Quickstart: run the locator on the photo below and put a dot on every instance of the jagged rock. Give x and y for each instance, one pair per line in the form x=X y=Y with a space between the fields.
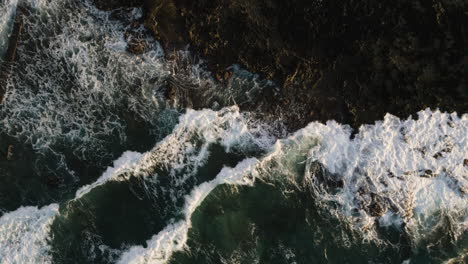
x=136 y=46
x=170 y=92
x=378 y=206
x=344 y=60
x=427 y=174
x=323 y=177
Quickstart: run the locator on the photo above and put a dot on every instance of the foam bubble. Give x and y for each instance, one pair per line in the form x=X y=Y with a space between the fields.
x=7 y=14
x=173 y=238
x=187 y=147
x=401 y=170
x=24 y=233
x=75 y=84
x=362 y=164
x=125 y=163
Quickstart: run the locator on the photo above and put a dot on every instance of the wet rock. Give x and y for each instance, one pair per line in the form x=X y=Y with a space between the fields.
x=426 y=174
x=136 y=46
x=171 y=91
x=328 y=180
x=9 y=155
x=166 y=21
x=344 y=60
x=223 y=76
x=52 y=181
x=377 y=207
x=115 y=4
x=227 y=75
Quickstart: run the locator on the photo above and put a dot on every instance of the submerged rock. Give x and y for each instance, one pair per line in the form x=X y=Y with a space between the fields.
x=9 y=155
x=349 y=61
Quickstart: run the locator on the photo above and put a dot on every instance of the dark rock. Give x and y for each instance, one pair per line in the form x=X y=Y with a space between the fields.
x=166 y=22
x=115 y=4
x=137 y=46
x=352 y=61
x=377 y=207
x=9 y=155
x=427 y=174
x=170 y=92
x=323 y=177
x=52 y=181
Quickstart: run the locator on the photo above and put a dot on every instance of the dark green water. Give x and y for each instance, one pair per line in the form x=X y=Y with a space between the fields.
x=97 y=167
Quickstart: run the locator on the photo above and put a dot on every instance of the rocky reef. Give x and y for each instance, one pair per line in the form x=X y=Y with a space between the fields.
x=352 y=61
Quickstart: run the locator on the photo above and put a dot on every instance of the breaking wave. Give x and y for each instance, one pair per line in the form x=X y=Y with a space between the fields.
x=77 y=99
x=392 y=173
x=409 y=174
x=24 y=233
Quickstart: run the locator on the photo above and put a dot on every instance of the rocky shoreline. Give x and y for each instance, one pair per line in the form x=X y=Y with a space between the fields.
x=349 y=61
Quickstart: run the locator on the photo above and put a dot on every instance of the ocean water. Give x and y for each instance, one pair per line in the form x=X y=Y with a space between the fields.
x=97 y=166
x=7 y=14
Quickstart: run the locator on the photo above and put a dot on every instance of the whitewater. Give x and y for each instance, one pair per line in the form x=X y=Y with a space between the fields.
x=369 y=161
x=208 y=185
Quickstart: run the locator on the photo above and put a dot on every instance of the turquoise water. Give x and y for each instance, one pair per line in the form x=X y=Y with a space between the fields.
x=96 y=166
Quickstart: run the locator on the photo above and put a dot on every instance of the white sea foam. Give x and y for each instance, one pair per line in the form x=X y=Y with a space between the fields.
x=24 y=233
x=187 y=147
x=76 y=75
x=174 y=237
x=227 y=127
x=362 y=163
x=7 y=14
x=417 y=168
x=77 y=85
x=75 y=80
x=126 y=163
x=184 y=149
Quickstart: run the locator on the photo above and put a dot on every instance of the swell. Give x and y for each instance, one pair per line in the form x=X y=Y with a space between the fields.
x=78 y=98
x=355 y=171
x=153 y=185
x=355 y=187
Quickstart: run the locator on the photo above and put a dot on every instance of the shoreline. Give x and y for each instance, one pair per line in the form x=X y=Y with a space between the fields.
x=352 y=63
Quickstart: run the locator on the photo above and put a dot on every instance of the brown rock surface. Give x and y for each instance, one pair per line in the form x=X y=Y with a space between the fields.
x=352 y=61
